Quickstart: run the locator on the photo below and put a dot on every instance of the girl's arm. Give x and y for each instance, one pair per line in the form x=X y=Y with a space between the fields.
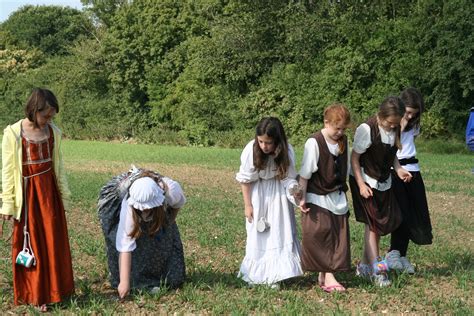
x=303 y=185
x=61 y=176
x=364 y=189
x=402 y=173
x=125 y=266
x=8 y=179
x=246 y=193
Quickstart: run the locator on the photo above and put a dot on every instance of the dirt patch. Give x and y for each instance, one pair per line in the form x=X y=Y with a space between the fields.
x=187 y=175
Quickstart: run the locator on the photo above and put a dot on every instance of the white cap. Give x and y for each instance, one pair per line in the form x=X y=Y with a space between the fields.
x=145 y=194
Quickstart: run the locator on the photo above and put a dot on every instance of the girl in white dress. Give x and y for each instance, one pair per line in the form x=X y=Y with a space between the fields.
x=267 y=175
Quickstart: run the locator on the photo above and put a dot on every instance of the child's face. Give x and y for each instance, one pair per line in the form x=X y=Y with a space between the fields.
x=266 y=144
x=390 y=123
x=45 y=115
x=410 y=113
x=334 y=130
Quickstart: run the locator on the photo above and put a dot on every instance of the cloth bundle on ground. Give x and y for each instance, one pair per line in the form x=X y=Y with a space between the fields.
x=157 y=260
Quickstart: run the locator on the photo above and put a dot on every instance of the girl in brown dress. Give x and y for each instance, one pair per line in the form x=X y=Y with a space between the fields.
x=324 y=206
x=35 y=194
x=373 y=155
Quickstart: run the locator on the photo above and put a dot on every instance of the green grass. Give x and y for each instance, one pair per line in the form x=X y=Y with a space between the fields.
x=213 y=233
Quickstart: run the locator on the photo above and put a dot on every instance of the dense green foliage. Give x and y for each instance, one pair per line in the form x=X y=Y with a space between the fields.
x=204 y=72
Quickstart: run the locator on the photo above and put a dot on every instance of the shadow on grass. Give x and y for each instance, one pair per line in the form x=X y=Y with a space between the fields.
x=208 y=278
x=452 y=262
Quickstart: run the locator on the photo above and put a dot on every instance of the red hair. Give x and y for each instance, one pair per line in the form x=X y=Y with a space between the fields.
x=335 y=114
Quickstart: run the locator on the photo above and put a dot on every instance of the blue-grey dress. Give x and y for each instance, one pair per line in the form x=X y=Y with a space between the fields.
x=157 y=260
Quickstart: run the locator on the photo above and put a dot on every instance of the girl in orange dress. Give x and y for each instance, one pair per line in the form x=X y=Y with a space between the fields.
x=35 y=194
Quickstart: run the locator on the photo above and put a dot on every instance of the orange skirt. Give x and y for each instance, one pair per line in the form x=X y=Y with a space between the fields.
x=51 y=279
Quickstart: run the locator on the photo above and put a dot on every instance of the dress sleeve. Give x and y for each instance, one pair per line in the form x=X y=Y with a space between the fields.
x=8 y=169
x=362 y=139
x=62 y=180
x=123 y=242
x=290 y=180
x=174 y=195
x=309 y=165
x=416 y=131
x=247 y=172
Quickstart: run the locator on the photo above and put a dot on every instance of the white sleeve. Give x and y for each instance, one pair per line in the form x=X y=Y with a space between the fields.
x=175 y=195
x=416 y=131
x=247 y=172
x=309 y=165
x=362 y=139
x=290 y=181
x=123 y=242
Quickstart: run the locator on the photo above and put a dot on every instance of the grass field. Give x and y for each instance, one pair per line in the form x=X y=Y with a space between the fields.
x=213 y=234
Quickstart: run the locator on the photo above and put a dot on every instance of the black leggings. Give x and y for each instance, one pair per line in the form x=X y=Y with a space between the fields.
x=399 y=239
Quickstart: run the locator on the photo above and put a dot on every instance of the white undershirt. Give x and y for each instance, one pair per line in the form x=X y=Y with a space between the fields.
x=408 y=148
x=336 y=202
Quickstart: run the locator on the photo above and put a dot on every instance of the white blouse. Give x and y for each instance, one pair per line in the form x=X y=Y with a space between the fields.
x=408 y=148
x=362 y=141
x=248 y=173
x=335 y=202
x=175 y=198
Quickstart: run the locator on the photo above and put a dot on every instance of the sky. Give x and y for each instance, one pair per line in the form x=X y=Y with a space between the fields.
x=9 y=6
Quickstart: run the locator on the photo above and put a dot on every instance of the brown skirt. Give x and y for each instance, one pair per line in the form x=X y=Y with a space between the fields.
x=381 y=211
x=325 y=245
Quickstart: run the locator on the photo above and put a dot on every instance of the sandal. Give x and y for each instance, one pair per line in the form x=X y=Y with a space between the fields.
x=333 y=288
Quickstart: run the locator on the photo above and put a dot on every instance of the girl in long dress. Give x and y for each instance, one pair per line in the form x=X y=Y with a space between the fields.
x=35 y=194
x=411 y=196
x=267 y=176
x=325 y=211
x=137 y=211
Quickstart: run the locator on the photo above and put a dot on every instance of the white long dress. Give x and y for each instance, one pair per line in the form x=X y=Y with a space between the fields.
x=273 y=255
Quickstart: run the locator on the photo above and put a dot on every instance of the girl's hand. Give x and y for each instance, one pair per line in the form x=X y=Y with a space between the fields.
x=365 y=191
x=302 y=206
x=123 y=289
x=404 y=175
x=249 y=213
x=6 y=217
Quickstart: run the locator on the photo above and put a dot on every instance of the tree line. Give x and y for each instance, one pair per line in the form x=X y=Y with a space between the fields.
x=204 y=72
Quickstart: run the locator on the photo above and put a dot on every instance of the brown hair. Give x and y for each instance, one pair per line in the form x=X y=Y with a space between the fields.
x=392 y=106
x=413 y=99
x=338 y=113
x=39 y=100
x=158 y=214
x=272 y=127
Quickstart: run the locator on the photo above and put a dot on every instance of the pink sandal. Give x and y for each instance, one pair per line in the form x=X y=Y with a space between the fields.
x=333 y=288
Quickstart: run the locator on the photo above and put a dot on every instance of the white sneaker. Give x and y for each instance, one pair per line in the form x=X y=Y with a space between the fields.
x=393 y=260
x=364 y=270
x=275 y=286
x=407 y=266
x=381 y=280
x=155 y=290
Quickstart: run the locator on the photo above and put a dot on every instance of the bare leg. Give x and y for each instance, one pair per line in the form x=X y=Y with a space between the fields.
x=371 y=246
x=321 y=278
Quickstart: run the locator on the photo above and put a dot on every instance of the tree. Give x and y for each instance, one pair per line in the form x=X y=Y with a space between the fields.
x=50 y=29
